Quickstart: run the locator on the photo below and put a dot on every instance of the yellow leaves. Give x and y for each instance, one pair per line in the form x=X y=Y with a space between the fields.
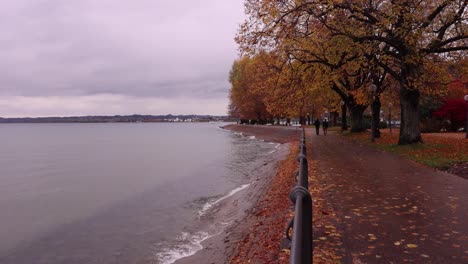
x=397 y=243
x=411 y=245
x=372 y=237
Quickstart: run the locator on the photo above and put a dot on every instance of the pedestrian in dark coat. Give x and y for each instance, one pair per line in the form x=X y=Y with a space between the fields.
x=317 y=126
x=325 y=126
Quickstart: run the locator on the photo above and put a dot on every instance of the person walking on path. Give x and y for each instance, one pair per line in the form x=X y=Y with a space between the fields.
x=325 y=126
x=317 y=126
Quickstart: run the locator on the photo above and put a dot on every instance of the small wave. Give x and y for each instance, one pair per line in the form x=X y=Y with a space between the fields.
x=238 y=133
x=207 y=206
x=271 y=152
x=251 y=137
x=188 y=244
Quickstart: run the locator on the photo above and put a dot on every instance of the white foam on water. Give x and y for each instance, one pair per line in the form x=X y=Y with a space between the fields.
x=207 y=206
x=252 y=137
x=271 y=152
x=188 y=244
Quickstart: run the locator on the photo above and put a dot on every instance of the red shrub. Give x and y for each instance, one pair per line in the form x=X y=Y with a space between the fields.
x=453 y=110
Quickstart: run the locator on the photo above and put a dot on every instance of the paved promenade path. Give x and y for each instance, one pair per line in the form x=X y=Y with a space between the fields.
x=386 y=209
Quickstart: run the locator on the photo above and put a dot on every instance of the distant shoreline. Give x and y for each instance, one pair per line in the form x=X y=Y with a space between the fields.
x=120 y=119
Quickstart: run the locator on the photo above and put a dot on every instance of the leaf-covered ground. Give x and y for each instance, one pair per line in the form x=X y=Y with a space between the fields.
x=269 y=220
x=369 y=206
x=386 y=209
x=445 y=151
x=273 y=213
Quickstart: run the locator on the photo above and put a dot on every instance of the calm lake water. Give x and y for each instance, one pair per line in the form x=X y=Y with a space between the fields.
x=117 y=193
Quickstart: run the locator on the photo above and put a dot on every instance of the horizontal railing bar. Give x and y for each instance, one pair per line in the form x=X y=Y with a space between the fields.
x=301 y=241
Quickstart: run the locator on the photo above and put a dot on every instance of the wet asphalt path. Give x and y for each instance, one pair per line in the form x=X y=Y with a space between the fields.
x=389 y=209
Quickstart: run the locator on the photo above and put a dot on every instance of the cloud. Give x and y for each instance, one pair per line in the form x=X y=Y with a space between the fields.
x=145 y=48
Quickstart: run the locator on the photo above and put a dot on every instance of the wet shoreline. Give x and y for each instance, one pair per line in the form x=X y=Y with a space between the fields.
x=245 y=206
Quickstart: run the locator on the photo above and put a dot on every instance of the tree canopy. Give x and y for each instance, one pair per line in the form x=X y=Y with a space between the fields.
x=347 y=46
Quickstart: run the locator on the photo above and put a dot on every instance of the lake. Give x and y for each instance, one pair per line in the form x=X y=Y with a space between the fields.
x=117 y=192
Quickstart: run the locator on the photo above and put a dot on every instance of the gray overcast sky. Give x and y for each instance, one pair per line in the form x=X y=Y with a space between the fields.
x=67 y=57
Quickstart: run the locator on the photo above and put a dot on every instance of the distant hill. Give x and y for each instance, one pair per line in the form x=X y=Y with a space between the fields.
x=118 y=119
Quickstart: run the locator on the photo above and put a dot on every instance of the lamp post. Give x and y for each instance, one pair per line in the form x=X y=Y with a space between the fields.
x=466 y=125
x=390 y=117
x=372 y=88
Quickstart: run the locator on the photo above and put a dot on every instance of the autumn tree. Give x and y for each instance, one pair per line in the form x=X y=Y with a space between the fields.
x=458 y=84
x=244 y=101
x=409 y=32
x=267 y=85
x=291 y=28
x=453 y=110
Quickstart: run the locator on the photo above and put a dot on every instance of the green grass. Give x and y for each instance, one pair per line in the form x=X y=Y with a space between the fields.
x=437 y=154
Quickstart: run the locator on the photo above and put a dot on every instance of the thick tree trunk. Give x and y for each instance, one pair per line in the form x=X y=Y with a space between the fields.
x=410 y=131
x=376 y=105
x=357 y=123
x=344 y=122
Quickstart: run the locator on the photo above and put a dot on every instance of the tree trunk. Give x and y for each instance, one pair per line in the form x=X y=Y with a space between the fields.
x=335 y=117
x=357 y=123
x=344 y=122
x=410 y=131
x=376 y=116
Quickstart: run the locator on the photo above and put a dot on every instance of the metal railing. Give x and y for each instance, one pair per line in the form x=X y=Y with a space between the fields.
x=301 y=224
